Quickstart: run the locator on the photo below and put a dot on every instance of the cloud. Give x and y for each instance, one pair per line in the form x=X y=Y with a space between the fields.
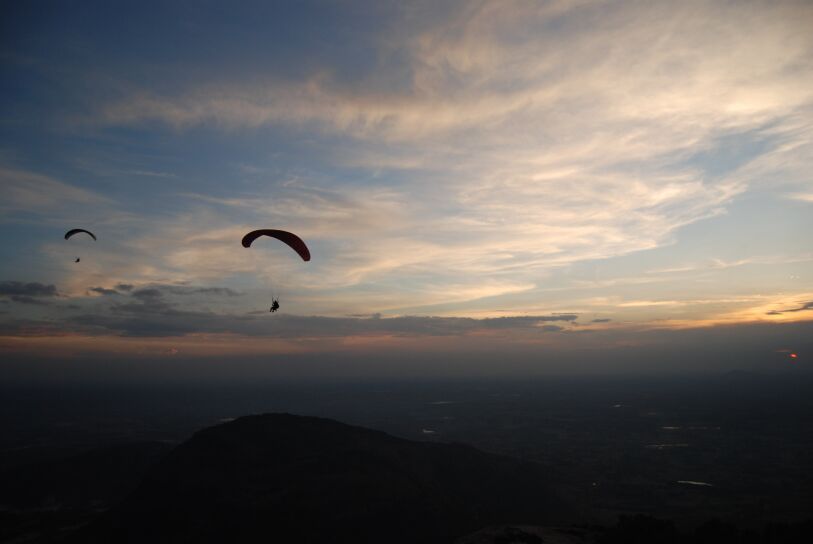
x=148 y=312
x=505 y=142
x=805 y=306
x=147 y=294
x=804 y=197
x=217 y=291
x=103 y=291
x=157 y=291
x=149 y=173
x=601 y=320
x=22 y=299
x=25 y=191
x=524 y=321
x=315 y=326
x=550 y=135
x=503 y=62
x=24 y=328
x=22 y=289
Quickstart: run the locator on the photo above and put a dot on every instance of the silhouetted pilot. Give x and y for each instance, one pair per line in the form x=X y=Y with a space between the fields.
x=274 y=306
x=77 y=260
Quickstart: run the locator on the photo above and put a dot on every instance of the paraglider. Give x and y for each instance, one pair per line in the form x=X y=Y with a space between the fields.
x=73 y=232
x=77 y=231
x=288 y=238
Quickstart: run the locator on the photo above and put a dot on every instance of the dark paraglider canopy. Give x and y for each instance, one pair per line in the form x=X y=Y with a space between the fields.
x=289 y=238
x=77 y=231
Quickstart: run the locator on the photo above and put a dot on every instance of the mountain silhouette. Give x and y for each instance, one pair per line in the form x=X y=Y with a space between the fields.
x=286 y=478
x=88 y=480
x=46 y=496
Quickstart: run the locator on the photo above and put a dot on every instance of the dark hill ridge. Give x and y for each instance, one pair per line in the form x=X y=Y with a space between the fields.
x=87 y=480
x=286 y=478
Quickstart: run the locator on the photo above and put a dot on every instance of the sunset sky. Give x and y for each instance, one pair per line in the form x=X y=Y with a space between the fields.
x=468 y=175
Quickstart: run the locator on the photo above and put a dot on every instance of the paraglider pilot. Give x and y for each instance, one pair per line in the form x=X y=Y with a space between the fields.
x=274 y=306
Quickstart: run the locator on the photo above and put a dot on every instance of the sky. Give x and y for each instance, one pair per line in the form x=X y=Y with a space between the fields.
x=533 y=180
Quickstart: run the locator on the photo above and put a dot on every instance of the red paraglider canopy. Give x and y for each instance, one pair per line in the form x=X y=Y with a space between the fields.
x=289 y=238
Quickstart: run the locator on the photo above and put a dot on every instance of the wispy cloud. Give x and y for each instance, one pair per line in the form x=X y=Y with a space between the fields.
x=474 y=161
x=567 y=138
x=150 y=173
x=802 y=308
x=25 y=191
x=805 y=197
